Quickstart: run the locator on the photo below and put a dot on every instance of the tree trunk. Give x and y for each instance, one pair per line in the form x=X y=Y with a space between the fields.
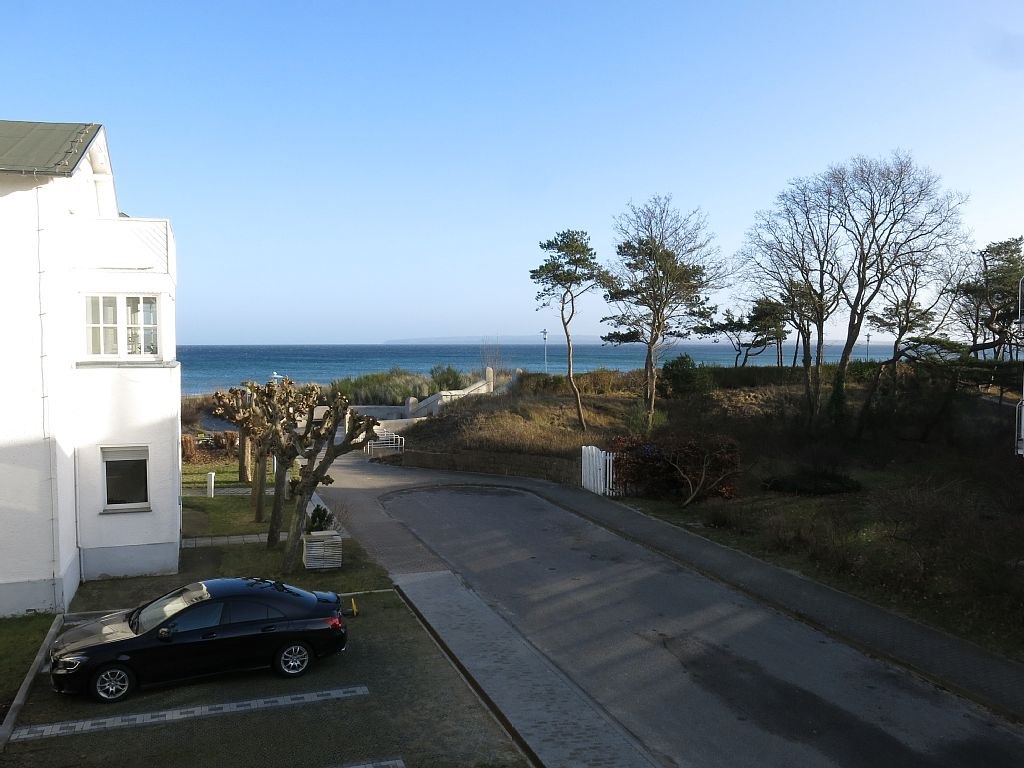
x=259 y=485
x=869 y=397
x=572 y=379
x=297 y=527
x=244 y=457
x=651 y=384
x=277 y=513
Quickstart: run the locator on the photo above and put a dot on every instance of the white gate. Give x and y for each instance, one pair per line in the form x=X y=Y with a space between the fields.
x=599 y=471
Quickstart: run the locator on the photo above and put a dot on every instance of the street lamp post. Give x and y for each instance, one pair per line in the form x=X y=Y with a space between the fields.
x=544 y=335
x=867 y=349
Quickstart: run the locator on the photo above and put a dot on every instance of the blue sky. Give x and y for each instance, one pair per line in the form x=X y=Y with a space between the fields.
x=341 y=172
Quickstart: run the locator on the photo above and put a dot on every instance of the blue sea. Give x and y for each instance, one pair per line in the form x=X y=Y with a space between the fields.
x=209 y=368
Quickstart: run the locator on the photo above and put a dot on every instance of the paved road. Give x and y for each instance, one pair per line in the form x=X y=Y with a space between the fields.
x=700 y=674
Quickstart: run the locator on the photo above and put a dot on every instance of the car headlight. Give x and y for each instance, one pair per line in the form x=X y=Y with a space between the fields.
x=70 y=663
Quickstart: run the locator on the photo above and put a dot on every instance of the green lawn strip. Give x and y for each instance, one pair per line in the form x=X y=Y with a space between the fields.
x=797 y=533
x=193 y=474
x=20 y=637
x=225 y=516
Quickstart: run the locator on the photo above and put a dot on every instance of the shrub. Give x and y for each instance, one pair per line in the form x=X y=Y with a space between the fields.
x=689 y=468
x=603 y=381
x=538 y=383
x=445 y=377
x=635 y=419
x=321 y=519
x=188 y=448
x=682 y=377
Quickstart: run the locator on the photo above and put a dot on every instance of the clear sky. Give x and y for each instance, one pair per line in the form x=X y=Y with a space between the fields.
x=343 y=172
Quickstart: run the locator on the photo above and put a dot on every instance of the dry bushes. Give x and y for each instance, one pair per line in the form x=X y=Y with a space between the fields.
x=188 y=448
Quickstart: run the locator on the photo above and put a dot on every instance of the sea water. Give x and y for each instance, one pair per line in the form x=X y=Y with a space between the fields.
x=211 y=367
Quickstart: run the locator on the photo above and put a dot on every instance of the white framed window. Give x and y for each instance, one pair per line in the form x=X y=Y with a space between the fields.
x=101 y=325
x=141 y=316
x=122 y=326
x=126 y=479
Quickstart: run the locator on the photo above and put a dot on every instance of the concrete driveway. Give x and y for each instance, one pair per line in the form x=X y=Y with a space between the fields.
x=696 y=672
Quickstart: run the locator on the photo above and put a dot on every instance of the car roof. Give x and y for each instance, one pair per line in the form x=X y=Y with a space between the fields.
x=254 y=586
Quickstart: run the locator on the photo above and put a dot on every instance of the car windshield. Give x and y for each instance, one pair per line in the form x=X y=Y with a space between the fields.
x=164 y=607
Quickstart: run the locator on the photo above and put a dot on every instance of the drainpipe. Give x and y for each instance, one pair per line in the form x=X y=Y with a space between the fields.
x=58 y=601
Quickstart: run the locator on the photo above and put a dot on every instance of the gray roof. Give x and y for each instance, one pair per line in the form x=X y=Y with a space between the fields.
x=49 y=149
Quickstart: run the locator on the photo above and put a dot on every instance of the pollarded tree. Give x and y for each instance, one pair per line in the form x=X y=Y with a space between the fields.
x=569 y=271
x=247 y=407
x=317 y=443
x=666 y=265
x=269 y=413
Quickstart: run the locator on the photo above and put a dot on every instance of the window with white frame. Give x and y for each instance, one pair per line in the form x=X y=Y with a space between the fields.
x=126 y=478
x=122 y=326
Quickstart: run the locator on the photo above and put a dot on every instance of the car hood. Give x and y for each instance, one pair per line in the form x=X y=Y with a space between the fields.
x=106 y=629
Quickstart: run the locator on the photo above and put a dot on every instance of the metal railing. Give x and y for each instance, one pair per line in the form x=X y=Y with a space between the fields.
x=386 y=441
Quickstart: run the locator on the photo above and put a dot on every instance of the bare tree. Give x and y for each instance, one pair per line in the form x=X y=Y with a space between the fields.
x=666 y=264
x=569 y=271
x=792 y=252
x=247 y=407
x=893 y=215
x=318 y=443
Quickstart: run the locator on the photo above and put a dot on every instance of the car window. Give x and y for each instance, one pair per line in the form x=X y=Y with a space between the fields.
x=199 y=617
x=170 y=604
x=242 y=610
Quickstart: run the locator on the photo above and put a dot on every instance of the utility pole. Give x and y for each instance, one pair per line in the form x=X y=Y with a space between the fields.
x=544 y=335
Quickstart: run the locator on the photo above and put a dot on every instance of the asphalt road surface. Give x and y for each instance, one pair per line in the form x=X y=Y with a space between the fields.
x=699 y=673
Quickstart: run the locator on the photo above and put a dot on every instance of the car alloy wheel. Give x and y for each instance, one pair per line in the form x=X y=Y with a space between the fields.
x=112 y=683
x=293 y=660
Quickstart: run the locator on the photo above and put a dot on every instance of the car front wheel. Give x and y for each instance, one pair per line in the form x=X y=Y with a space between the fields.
x=112 y=683
x=293 y=659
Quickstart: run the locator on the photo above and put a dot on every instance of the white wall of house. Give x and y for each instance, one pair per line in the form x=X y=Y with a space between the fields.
x=61 y=241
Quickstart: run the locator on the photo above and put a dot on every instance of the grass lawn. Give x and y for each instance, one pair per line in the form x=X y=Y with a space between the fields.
x=20 y=638
x=193 y=474
x=225 y=516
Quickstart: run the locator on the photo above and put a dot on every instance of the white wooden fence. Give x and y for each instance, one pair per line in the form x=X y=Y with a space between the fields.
x=599 y=471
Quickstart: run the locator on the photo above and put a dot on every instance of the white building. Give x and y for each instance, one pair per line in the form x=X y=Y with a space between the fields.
x=90 y=463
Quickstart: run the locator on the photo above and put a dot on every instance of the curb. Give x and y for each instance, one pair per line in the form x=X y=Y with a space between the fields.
x=26 y=685
x=477 y=688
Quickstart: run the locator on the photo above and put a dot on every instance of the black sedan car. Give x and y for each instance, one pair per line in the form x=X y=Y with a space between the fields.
x=201 y=628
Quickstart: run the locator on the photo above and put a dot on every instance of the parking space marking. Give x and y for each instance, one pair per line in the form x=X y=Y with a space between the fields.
x=392 y=762
x=31 y=732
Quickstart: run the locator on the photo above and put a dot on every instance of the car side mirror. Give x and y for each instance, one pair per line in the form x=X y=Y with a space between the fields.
x=164 y=633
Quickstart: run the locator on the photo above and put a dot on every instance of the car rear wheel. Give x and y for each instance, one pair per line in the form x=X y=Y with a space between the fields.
x=293 y=659
x=112 y=683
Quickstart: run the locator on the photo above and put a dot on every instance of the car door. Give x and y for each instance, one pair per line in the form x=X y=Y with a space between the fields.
x=250 y=631
x=186 y=644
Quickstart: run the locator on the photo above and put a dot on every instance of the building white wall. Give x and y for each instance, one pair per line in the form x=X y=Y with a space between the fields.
x=61 y=240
